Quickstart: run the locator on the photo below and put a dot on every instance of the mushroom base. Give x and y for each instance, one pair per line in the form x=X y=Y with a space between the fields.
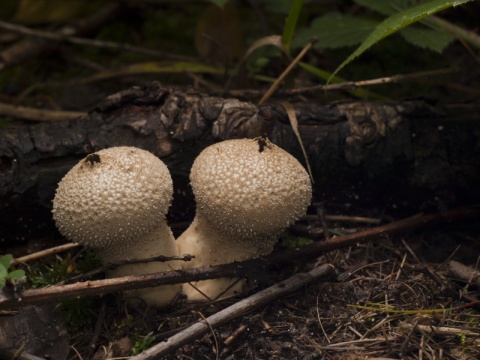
x=207 y=290
x=159 y=242
x=211 y=247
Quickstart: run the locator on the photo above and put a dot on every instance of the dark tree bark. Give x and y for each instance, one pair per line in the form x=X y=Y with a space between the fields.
x=355 y=148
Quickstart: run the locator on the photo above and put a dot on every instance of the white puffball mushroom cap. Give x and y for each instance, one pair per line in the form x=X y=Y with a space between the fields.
x=112 y=195
x=250 y=188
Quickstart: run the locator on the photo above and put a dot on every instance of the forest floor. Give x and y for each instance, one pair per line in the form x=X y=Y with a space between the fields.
x=401 y=297
x=411 y=295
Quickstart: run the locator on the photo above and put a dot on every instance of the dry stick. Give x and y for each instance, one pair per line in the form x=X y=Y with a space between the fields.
x=287 y=71
x=65 y=37
x=25 y=113
x=101 y=287
x=56 y=293
x=348 y=85
x=263 y=297
x=439 y=330
x=344 y=218
x=32 y=47
x=43 y=253
x=379 y=232
x=114 y=265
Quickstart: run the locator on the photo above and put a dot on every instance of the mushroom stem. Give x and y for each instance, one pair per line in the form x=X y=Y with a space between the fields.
x=158 y=296
x=192 y=242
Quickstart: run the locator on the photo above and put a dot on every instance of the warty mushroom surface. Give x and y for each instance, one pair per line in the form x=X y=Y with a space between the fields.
x=115 y=201
x=247 y=191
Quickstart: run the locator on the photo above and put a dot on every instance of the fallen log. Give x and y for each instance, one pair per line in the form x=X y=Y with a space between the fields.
x=357 y=149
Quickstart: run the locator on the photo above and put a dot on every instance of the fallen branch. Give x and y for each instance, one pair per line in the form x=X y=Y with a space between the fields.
x=202 y=327
x=35 y=46
x=351 y=85
x=100 y=287
x=33 y=114
x=376 y=233
x=58 y=293
x=63 y=36
x=43 y=253
x=439 y=330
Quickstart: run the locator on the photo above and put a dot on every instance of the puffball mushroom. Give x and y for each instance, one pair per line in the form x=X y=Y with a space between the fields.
x=115 y=201
x=247 y=192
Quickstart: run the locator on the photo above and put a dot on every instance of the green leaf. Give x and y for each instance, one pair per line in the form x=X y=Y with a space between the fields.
x=384 y=7
x=16 y=274
x=427 y=38
x=335 y=30
x=6 y=260
x=398 y=21
x=3 y=272
x=2 y=282
x=291 y=24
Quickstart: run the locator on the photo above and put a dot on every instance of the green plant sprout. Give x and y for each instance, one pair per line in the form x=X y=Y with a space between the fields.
x=142 y=343
x=62 y=269
x=5 y=274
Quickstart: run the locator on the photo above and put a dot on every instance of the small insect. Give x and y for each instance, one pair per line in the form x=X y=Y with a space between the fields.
x=93 y=158
x=262 y=143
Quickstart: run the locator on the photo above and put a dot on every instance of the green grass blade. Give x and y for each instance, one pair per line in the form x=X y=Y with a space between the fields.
x=396 y=22
x=291 y=24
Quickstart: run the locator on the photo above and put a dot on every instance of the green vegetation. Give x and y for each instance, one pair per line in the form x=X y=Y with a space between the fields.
x=7 y=274
x=142 y=343
x=79 y=312
x=188 y=42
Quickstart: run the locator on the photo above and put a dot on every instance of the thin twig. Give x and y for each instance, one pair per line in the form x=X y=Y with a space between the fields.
x=213 y=333
x=202 y=327
x=438 y=330
x=32 y=47
x=287 y=71
x=44 y=253
x=63 y=36
x=31 y=114
x=376 y=233
x=111 y=266
x=101 y=287
x=349 y=85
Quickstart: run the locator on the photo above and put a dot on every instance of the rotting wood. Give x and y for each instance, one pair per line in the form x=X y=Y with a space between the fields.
x=357 y=149
x=247 y=268
x=202 y=327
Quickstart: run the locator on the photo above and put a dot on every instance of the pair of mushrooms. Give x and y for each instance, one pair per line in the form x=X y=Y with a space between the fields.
x=116 y=200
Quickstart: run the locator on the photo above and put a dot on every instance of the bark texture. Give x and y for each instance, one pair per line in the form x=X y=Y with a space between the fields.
x=355 y=148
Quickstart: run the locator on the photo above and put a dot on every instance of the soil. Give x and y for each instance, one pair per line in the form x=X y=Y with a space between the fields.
x=390 y=299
